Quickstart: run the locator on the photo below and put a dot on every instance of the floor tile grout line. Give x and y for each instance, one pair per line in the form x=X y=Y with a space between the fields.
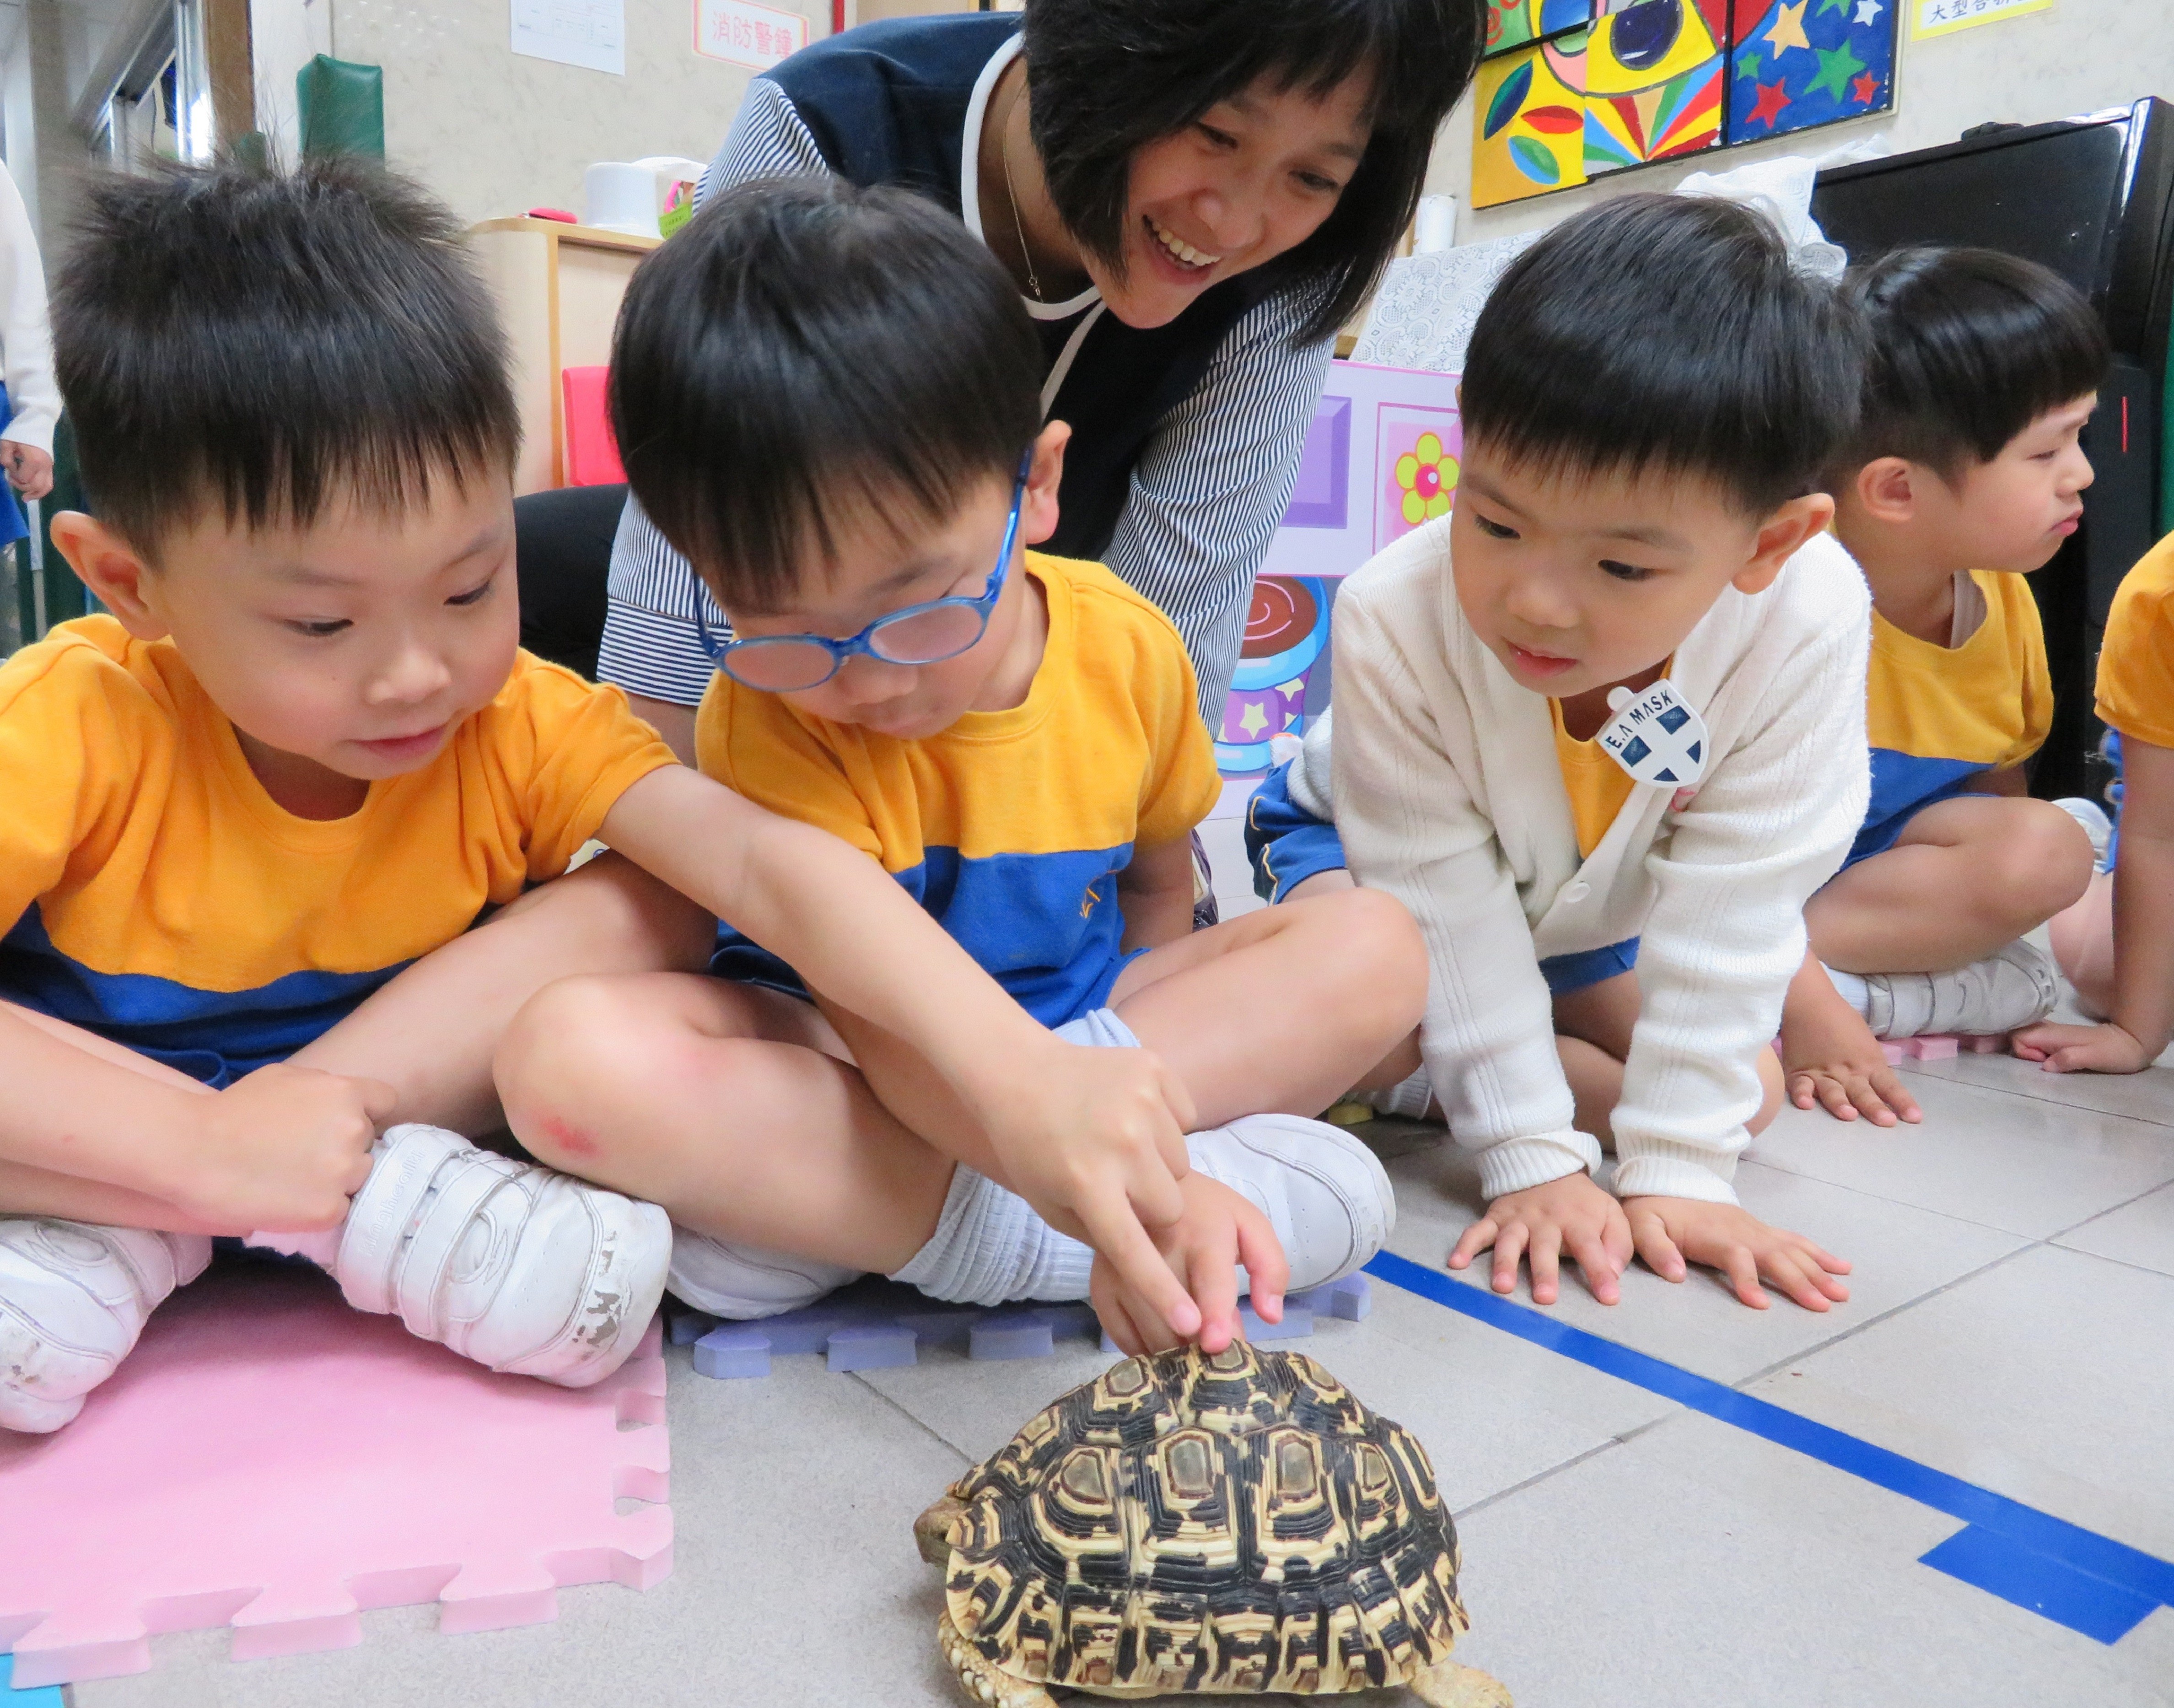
x=927 y=1430
x=1555 y=1470
x=2046 y=1097
x=2063 y=1233
x=1892 y=1311
x=1796 y=1174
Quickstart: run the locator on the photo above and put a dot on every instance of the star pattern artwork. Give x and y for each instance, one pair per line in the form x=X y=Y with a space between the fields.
x=1796 y=64
x=1564 y=97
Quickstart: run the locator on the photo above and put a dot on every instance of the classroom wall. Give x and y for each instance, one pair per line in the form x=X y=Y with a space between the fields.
x=495 y=132
x=2078 y=57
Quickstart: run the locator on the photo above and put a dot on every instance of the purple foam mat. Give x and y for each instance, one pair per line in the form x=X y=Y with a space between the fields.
x=876 y=1324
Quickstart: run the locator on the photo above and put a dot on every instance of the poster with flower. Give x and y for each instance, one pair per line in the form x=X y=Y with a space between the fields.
x=1416 y=453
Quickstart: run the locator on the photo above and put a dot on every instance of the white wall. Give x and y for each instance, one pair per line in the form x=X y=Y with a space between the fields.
x=496 y=133
x=283 y=36
x=2078 y=57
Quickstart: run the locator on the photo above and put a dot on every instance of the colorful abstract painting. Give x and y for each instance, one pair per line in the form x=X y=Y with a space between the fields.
x=1530 y=117
x=1514 y=22
x=1798 y=63
x=1656 y=81
x=1651 y=80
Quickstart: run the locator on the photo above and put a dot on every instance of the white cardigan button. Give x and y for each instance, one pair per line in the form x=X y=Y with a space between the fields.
x=1576 y=892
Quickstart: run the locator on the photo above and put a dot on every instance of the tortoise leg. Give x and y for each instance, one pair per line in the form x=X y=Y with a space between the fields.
x=932 y=1531
x=983 y=1682
x=1447 y=1684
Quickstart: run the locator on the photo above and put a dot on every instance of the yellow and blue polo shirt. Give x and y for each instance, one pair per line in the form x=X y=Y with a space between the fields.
x=153 y=892
x=1938 y=716
x=1010 y=827
x=2136 y=662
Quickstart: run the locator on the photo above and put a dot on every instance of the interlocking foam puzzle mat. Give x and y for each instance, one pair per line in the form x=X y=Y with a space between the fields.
x=876 y=1324
x=271 y=1460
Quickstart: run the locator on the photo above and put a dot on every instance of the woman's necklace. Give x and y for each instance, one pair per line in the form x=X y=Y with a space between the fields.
x=1011 y=195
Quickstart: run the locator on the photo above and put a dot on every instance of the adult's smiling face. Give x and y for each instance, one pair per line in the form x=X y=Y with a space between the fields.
x=1251 y=179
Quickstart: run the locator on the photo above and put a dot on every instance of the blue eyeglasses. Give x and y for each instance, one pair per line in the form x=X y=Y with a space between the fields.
x=924 y=633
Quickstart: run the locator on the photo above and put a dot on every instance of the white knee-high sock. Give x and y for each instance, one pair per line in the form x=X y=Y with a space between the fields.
x=989 y=1246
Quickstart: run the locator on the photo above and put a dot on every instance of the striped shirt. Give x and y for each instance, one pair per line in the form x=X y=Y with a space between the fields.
x=1199 y=504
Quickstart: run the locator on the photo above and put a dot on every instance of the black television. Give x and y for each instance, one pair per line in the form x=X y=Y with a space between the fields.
x=2093 y=199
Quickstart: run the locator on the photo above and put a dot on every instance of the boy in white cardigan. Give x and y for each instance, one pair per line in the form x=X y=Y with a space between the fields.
x=1650 y=393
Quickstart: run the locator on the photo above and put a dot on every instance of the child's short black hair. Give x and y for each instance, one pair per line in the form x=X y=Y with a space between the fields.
x=804 y=349
x=1669 y=334
x=1969 y=347
x=274 y=341
x=1106 y=76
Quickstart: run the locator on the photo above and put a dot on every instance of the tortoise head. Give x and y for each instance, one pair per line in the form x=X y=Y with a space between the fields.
x=934 y=1530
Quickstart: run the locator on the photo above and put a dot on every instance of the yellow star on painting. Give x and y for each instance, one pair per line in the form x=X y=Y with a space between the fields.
x=1254 y=719
x=1788 y=30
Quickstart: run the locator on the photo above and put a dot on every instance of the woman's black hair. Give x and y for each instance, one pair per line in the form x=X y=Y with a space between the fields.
x=806 y=351
x=272 y=343
x=1107 y=77
x=1670 y=333
x=1969 y=348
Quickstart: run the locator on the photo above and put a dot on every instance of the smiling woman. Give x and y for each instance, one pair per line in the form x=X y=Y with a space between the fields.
x=1191 y=195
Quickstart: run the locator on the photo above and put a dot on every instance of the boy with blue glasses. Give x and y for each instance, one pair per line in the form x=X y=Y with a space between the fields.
x=822 y=394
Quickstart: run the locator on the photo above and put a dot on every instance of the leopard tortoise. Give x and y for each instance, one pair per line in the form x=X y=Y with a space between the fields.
x=1189 y=1522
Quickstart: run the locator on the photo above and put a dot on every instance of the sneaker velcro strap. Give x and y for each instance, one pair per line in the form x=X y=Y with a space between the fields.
x=463 y=1184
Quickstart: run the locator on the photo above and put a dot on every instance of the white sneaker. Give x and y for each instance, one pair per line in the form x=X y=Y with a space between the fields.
x=743 y=1283
x=2093 y=817
x=510 y=1263
x=74 y=1298
x=1327 y=1196
x=1997 y=994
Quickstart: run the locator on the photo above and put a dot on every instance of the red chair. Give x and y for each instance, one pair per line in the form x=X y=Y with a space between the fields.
x=591 y=452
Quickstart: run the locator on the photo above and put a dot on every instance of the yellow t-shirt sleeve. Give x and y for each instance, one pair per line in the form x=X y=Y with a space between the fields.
x=753 y=744
x=2037 y=675
x=72 y=728
x=2136 y=665
x=572 y=748
x=1182 y=785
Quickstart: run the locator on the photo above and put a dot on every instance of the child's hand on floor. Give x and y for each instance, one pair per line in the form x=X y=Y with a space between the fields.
x=1219 y=1230
x=1830 y=1057
x=1729 y=1238
x=1095 y=1140
x=2064 y=1049
x=1540 y=1224
x=281 y=1149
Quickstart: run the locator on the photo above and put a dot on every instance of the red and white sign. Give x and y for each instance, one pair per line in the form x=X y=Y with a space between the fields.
x=746 y=33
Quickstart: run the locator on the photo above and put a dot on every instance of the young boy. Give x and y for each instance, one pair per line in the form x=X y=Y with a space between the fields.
x=1965 y=475
x=303 y=754
x=828 y=401
x=1650 y=393
x=2116 y=944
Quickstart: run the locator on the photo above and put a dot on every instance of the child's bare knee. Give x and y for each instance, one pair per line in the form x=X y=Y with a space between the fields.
x=2042 y=865
x=559 y=1041
x=1380 y=961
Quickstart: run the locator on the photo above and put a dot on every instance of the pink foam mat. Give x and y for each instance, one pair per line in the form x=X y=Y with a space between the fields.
x=270 y=1459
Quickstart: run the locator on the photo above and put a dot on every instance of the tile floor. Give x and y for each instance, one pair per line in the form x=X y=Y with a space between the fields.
x=2012 y=1324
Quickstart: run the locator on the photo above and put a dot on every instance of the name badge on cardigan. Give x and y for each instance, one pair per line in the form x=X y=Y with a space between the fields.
x=1656 y=735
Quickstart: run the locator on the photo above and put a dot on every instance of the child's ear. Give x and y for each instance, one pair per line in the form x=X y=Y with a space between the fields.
x=1886 y=489
x=1778 y=539
x=1038 y=510
x=111 y=568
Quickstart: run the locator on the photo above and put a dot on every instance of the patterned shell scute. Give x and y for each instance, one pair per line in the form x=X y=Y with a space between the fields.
x=1239 y=1522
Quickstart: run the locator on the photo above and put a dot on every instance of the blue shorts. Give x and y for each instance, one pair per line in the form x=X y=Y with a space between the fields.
x=1878 y=838
x=1286 y=843
x=2112 y=749
x=1565 y=973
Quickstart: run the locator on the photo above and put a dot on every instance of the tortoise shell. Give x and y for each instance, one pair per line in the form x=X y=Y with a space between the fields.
x=1187 y=1522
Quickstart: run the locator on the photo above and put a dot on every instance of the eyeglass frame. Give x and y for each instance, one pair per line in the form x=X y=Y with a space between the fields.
x=982 y=604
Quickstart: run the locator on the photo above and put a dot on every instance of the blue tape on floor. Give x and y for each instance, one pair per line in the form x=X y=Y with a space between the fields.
x=30 y=1695
x=2073 y=1577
